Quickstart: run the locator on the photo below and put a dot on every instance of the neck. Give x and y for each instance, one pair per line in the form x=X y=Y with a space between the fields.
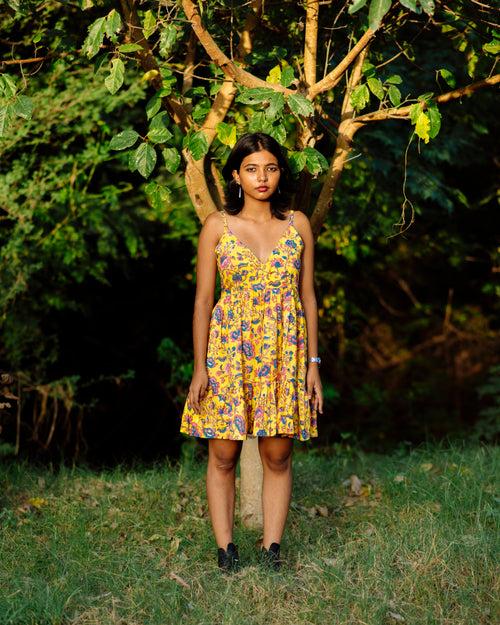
x=256 y=210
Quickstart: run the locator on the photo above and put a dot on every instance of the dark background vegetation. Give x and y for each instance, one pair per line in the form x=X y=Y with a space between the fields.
x=97 y=285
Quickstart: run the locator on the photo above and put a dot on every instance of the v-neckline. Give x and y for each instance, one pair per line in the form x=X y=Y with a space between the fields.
x=244 y=245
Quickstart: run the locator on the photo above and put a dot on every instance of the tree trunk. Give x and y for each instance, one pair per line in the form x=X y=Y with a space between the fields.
x=251 y=485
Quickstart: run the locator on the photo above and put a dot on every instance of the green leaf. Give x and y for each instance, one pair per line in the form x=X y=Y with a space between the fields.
x=168 y=38
x=172 y=159
x=5 y=115
x=256 y=95
x=493 y=47
x=131 y=161
x=394 y=80
x=411 y=4
x=153 y=105
x=300 y=106
x=415 y=110
x=434 y=120
x=131 y=242
x=226 y=133
x=368 y=69
x=259 y=123
x=278 y=132
x=276 y=104
x=378 y=8
x=297 y=161
x=94 y=38
x=7 y=85
x=287 y=76
x=113 y=23
x=422 y=126
x=23 y=107
x=145 y=159
x=197 y=144
x=448 y=77
x=360 y=97
x=200 y=111
x=149 y=24
x=158 y=131
x=158 y=195
x=192 y=91
x=394 y=95
x=315 y=161
x=123 y=140
x=424 y=97
x=356 y=5
x=274 y=75
x=428 y=6
x=115 y=79
x=376 y=87
x=129 y=47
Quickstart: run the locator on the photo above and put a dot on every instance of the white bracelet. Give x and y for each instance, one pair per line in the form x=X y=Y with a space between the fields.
x=315 y=359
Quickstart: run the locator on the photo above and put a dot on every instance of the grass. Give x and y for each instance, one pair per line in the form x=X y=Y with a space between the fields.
x=135 y=546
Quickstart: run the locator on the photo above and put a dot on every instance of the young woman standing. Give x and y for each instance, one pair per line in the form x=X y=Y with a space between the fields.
x=256 y=365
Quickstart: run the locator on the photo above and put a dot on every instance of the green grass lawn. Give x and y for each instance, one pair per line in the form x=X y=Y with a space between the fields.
x=135 y=546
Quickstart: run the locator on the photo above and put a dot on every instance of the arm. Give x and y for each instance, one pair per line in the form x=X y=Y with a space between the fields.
x=206 y=270
x=308 y=299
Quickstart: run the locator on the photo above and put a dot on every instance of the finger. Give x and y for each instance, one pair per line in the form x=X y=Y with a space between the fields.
x=196 y=404
x=320 y=401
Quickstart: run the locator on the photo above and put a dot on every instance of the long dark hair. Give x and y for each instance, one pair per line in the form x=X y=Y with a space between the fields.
x=248 y=144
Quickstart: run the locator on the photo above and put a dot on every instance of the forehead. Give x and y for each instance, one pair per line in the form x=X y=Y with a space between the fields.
x=262 y=157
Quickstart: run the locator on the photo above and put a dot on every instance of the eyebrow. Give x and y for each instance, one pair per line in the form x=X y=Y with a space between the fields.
x=246 y=164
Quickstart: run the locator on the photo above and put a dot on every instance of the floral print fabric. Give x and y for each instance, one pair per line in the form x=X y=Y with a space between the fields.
x=257 y=347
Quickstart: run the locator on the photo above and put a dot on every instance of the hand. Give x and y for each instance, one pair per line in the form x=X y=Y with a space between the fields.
x=314 y=388
x=197 y=389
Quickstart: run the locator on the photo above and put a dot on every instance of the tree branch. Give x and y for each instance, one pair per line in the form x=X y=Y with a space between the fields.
x=347 y=130
x=148 y=62
x=311 y=41
x=206 y=200
x=334 y=77
x=404 y=112
x=232 y=71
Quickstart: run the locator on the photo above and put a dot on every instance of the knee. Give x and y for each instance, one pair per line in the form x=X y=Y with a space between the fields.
x=278 y=463
x=224 y=462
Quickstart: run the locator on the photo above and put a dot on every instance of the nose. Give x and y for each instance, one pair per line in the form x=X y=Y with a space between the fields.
x=262 y=176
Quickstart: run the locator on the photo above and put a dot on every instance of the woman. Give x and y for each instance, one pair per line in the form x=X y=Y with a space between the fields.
x=255 y=352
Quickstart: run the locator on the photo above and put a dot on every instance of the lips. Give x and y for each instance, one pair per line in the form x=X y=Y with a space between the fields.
x=262 y=188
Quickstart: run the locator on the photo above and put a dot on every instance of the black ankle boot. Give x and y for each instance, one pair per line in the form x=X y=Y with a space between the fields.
x=228 y=559
x=271 y=557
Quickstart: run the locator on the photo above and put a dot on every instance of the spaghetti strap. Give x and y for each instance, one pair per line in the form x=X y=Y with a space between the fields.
x=225 y=220
x=290 y=218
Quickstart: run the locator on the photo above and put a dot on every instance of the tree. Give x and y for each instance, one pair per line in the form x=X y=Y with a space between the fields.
x=208 y=88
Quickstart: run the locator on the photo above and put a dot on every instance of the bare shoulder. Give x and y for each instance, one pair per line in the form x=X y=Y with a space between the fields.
x=300 y=218
x=303 y=224
x=214 y=220
x=212 y=229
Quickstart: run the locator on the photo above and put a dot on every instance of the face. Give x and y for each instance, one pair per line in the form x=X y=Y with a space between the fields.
x=259 y=174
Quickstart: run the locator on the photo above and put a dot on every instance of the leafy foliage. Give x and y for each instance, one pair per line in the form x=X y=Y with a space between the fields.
x=92 y=181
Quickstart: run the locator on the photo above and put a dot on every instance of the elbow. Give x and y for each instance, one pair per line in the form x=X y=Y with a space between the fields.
x=203 y=303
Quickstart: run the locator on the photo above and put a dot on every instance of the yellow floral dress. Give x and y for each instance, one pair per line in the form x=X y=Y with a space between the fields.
x=257 y=346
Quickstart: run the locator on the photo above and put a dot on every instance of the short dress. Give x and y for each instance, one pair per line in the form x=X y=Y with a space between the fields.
x=257 y=346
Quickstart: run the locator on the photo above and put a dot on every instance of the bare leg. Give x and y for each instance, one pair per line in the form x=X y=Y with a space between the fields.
x=276 y=456
x=220 y=482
